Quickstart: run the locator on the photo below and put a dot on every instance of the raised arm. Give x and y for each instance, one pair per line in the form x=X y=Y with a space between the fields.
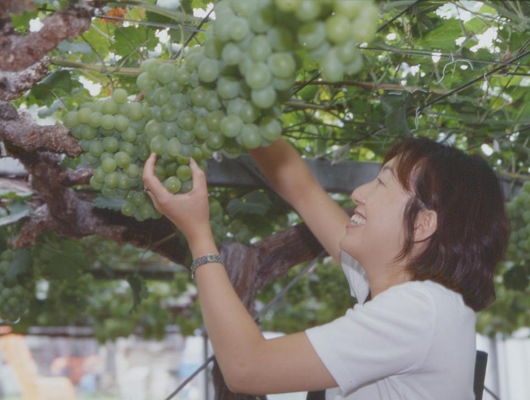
x=290 y=176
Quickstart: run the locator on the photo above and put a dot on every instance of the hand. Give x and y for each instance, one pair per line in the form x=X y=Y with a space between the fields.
x=189 y=211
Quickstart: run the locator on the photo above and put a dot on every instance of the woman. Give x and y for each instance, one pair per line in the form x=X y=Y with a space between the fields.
x=428 y=233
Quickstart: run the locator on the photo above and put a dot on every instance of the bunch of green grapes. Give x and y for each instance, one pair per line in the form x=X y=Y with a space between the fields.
x=70 y=296
x=519 y=213
x=225 y=96
x=14 y=296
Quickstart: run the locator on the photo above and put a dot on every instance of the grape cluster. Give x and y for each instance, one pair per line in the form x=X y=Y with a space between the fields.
x=14 y=297
x=70 y=297
x=224 y=96
x=519 y=213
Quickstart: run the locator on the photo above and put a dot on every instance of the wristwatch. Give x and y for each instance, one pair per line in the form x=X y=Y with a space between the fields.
x=210 y=258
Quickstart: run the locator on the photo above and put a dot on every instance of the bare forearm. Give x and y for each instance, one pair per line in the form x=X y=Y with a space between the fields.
x=285 y=169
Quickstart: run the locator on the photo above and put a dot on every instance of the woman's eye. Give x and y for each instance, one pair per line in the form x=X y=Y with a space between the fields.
x=380 y=181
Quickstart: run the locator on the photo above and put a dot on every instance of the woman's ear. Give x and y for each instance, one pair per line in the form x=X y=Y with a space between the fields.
x=426 y=225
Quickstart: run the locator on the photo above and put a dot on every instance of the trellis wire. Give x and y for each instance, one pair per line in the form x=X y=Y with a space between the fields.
x=269 y=305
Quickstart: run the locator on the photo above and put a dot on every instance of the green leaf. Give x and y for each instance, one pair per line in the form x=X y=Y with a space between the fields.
x=12 y=195
x=129 y=39
x=396 y=106
x=517 y=278
x=443 y=37
x=139 y=290
x=110 y=203
x=61 y=259
x=22 y=262
x=17 y=211
x=253 y=203
x=74 y=47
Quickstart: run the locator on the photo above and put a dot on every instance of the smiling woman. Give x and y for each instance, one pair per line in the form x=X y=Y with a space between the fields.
x=421 y=248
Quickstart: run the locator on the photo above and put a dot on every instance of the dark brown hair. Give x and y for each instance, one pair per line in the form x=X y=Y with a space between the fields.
x=473 y=227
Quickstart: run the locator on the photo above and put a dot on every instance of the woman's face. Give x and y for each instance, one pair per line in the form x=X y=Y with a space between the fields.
x=375 y=235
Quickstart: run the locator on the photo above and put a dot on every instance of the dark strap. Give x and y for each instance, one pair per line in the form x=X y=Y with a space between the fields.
x=317 y=395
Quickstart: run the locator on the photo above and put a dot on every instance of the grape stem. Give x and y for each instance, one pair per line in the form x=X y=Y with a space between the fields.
x=177 y=16
x=103 y=69
x=369 y=85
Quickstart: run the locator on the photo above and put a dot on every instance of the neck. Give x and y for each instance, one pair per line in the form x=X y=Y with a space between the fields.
x=384 y=278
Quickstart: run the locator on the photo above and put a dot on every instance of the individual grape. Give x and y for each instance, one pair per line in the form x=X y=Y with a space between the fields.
x=133 y=171
x=186 y=120
x=258 y=76
x=243 y=8
x=186 y=186
x=259 y=49
x=128 y=148
x=184 y=172
x=312 y=35
x=121 y=123
x=123 y=160
x=111 y=180
x=231 y=54
x=161 y=96
x=338 y=29
x=158 y=145
x=215 y=141
x=108 y=165
x=198 y=96
x=280 y=38
x=124 y=182
x=250 y=136
x=309 y=10
x=228 y=88
x=120 y=96
x=239 y=29
x=95 y=148
x=287 y=5
x=110 y=144
x=128 y=209
x=172 y=184
x=129 y=135
x=213 y=49
x=282 y=65
x=108 y=122
x=211 y=102
x=231 y=126
x=186 y=137
x=213 y=121
x=332 y=67
x=183 y=76
x=145 y=211
x=350 y=8
x=88 y=133
x=208 y=70
x=262 y=19
x=109 y=106
x=264 y=98
x=144 y=81
x=271 y=128
x=70 y=119
x=95 y=119
x=168 y=112
x=83 y=115
x=166 y=73
x=248 y=112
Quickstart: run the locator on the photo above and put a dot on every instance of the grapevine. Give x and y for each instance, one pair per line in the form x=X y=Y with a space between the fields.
x=15 y=290
x=225 y=96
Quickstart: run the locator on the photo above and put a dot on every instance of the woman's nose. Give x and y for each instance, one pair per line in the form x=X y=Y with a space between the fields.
x=358 y=196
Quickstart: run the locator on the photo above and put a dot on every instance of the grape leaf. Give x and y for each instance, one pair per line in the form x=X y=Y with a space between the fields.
x=61 y=259
x=110 y=203
x=74 y=47
x=443 y=37
x=22 y=262
x=17 y=211
x=253 y=203
x=139 y=290
x=13 y=195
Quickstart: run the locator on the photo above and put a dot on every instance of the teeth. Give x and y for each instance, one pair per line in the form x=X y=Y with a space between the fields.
x=358 y=220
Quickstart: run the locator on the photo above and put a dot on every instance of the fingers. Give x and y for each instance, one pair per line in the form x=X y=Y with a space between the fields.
x=151 y=182
x=198 y=176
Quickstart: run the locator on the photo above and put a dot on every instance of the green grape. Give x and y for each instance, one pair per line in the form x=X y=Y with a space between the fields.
x=152 y=68
x=287 y=5
x=284 y=84
x=271 y=128
x=231 y=54
x=209 y=70
x=128 y=148
x=153 y=128
x=108 y=165
x=83 y=115
x=128 y=209
x=158 y=145
x=235 y=106
x=120 y=96
x=106 y=155
x=243 y=7
x=215 y=140
x=248 y=112
x=258 y=76
x=110 y=144
x=338 y=29
x=350 y=8
x=213 y=121
x=186 y=120
x=282 y=65
x=95 y=119
x=211 y=102
x=172 y=184
x=145 y=211
x=213 y=48
x=161 y=96
x=183 y=76
x=121 y=123
x=198 y=96
x=180 y=101
x=239 y=29
x=319 y=54
x=168 y=112
x=70 y=119
x=99 y=175
x=200 y=129
x=312 y=35
x=228 y=88
x=309 y=10
x=123 y=160
x=280 y=38
x=95 y=148
x=244 y=65
x=184 y=172
x=144 y=81
x=186 y=137
x=332 y=67
x=129 y=135
x=166 y=73
x=123 y=109
x=264 y=98
x=88 y=133
x=124 y=182
x=186 y=151
x=262 y=19
x=362 y=30
x=160 y=171
x=133 y=171
x=231 y=126
x=250 y=136
x=111 y=180
x=186 y=186
x=259 y=49
x=84 y=144
x=348 y=52
x=355 y=66
x=109 y=106
x=108 y=122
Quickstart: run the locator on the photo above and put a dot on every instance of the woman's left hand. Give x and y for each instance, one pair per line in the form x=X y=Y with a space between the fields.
x=189 y=211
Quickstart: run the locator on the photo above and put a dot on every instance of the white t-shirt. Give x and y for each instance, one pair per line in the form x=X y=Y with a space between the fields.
x=414 y=341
